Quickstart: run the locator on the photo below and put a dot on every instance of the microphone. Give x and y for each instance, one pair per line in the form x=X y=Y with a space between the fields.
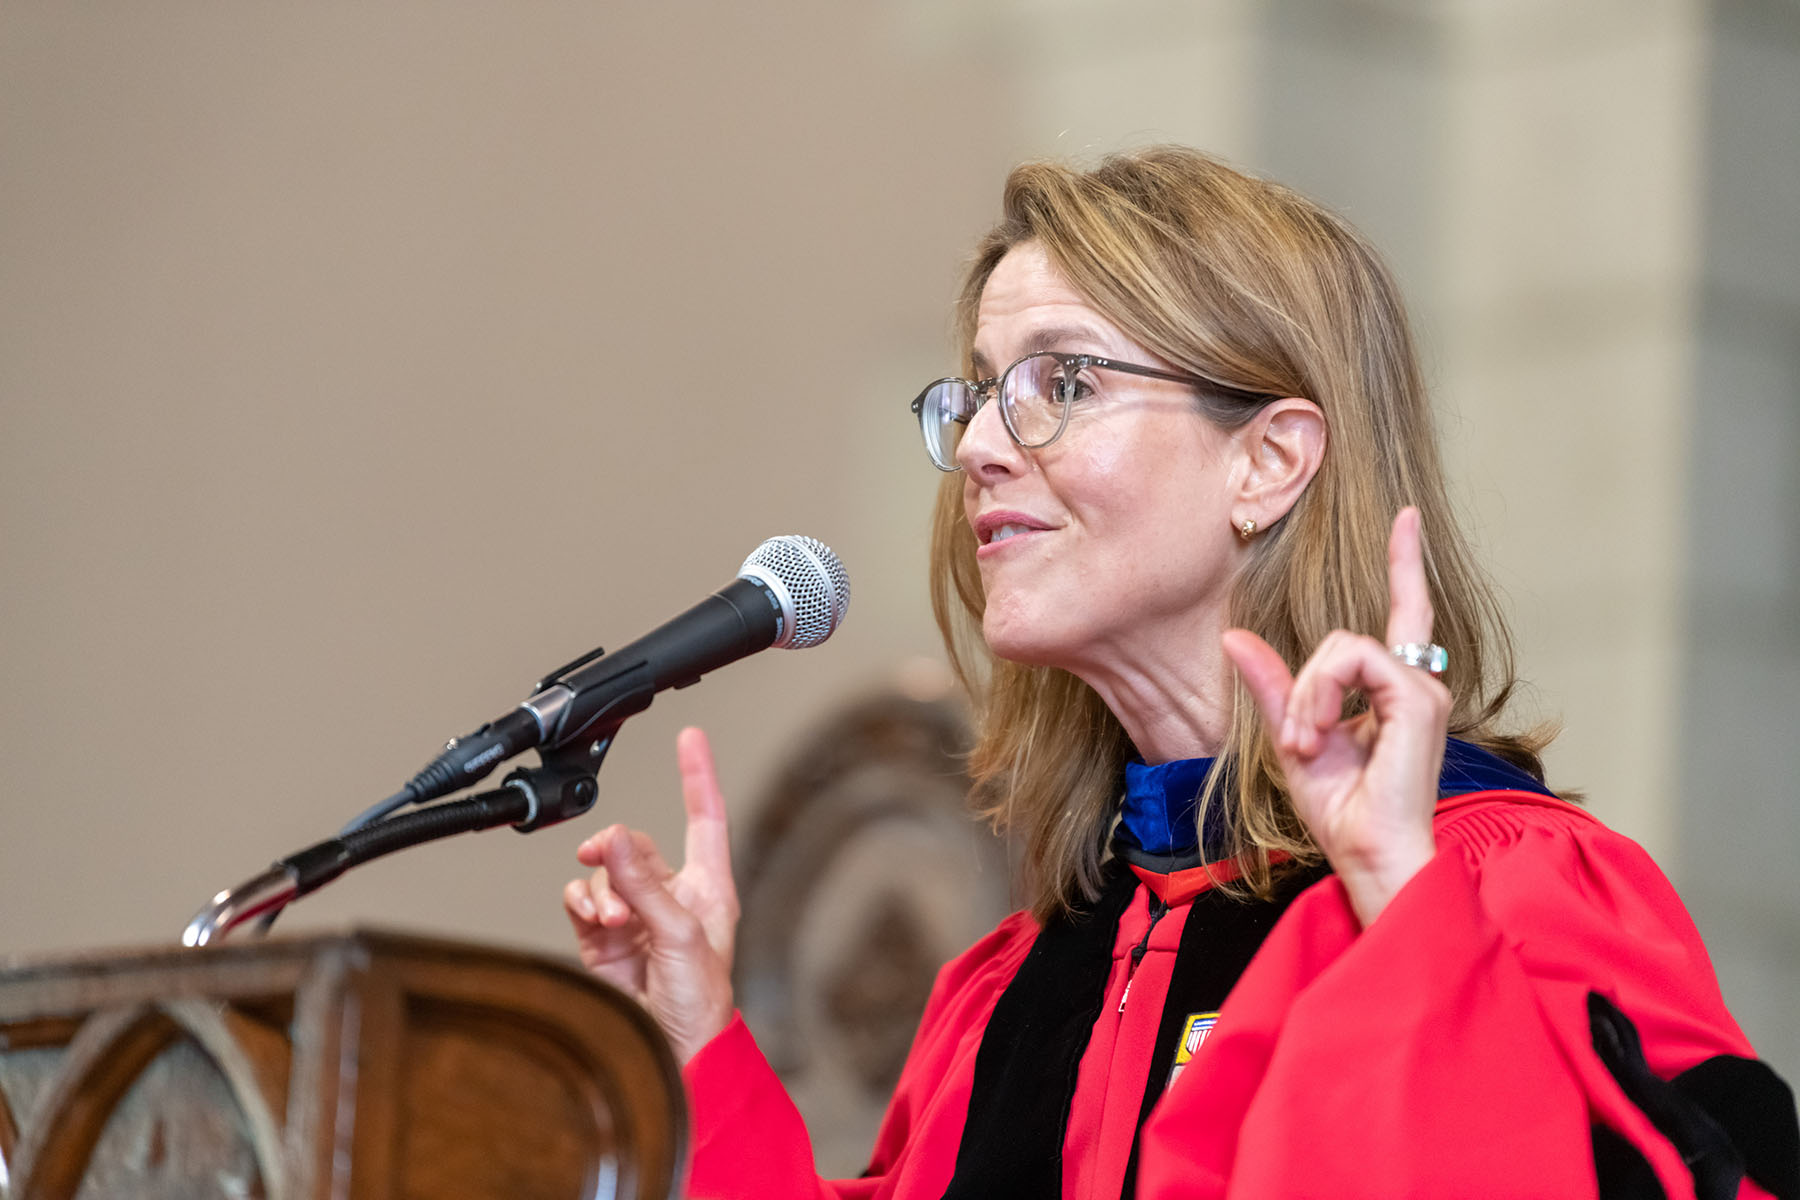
x=791 y=593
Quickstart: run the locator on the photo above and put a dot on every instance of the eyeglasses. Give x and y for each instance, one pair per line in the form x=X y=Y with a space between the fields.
x=1036 y=395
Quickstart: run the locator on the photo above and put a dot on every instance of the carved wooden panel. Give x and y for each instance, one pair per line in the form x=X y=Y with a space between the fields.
x=178 y=1133
x=860 y=875
x=367 y=1066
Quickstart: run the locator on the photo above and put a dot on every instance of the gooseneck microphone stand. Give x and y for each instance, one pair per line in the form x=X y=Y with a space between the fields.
x=791 y=592
x=562 y=786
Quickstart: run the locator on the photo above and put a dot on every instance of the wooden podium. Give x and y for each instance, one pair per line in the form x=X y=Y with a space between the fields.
x=364 y=1066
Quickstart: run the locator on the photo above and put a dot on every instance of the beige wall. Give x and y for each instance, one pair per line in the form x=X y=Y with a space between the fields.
x=357 y=362
x=360 y=362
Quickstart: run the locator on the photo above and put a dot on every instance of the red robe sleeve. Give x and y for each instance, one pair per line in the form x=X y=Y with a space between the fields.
x=749 y=1140
x=1446 y=1050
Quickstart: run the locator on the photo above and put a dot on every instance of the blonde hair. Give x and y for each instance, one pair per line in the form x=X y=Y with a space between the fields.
x=1251 y=285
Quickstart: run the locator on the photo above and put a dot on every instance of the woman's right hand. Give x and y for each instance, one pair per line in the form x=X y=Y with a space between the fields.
x=665 y=937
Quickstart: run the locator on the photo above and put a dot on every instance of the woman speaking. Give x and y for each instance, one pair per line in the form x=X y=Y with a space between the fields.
x=1305 y=919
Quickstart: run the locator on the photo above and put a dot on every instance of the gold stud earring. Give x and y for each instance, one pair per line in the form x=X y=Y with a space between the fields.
x=1246 y=530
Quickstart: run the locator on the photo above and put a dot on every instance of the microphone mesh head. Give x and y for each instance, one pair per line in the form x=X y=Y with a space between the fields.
x=812 y=578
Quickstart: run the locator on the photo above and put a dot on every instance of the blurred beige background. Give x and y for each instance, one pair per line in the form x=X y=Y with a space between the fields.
x=360 y=361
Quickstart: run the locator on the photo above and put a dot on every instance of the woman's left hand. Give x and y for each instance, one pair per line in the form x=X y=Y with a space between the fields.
x=1366 y=786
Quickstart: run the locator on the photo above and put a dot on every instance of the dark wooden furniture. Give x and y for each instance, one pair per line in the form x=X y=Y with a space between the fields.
x=366 y=1066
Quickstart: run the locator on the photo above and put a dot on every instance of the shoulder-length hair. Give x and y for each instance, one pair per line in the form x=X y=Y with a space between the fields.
x=1249 y=284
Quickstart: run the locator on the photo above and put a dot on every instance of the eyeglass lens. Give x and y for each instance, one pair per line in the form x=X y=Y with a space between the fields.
x=1031 y=397
x=944 y=412
x=1031 y=401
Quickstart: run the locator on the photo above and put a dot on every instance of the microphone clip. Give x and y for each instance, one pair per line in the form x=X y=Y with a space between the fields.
x=555 y=677
x=562 y=785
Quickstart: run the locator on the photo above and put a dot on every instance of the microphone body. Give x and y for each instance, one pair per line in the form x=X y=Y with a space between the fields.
x=734 y=622
x=791 y=592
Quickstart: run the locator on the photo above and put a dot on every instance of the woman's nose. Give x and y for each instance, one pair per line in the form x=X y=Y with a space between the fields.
x=986 y=449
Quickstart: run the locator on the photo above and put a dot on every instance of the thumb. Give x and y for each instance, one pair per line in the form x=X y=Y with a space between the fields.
x=637 y=872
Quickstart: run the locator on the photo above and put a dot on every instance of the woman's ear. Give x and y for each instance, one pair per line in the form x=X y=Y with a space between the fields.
x=1283 y=446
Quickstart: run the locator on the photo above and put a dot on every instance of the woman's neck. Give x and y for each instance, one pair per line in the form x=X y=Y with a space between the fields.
x=1174 y=702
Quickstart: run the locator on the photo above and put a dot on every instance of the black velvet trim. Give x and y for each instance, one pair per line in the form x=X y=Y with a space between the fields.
x=1707 y=1149
x=1222 y=934
x=1025 y=1069
x=1756 y=1109
x=1623 y=1171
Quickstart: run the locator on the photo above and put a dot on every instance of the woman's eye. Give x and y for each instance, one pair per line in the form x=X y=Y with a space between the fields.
x=1074 y=388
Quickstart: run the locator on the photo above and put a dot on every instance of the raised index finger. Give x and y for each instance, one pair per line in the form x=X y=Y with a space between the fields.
x=1409 y=595
x=708 y=836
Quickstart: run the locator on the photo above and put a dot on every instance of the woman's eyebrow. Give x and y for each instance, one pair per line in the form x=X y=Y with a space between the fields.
x=1057 y=337
x=1050 y=337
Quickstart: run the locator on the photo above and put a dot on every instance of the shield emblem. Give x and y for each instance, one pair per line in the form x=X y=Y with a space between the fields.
x=1194 y=1032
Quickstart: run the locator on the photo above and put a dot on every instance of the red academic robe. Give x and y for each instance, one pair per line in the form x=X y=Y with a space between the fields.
x=1444 y=1051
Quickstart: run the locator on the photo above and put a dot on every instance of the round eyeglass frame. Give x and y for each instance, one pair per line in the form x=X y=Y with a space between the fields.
x=995 y=387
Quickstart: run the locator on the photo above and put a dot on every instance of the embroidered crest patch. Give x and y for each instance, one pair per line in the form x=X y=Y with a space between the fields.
x=1193 y=1035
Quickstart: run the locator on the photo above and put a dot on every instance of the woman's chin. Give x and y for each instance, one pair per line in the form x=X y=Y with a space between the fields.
x=1022 y=642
